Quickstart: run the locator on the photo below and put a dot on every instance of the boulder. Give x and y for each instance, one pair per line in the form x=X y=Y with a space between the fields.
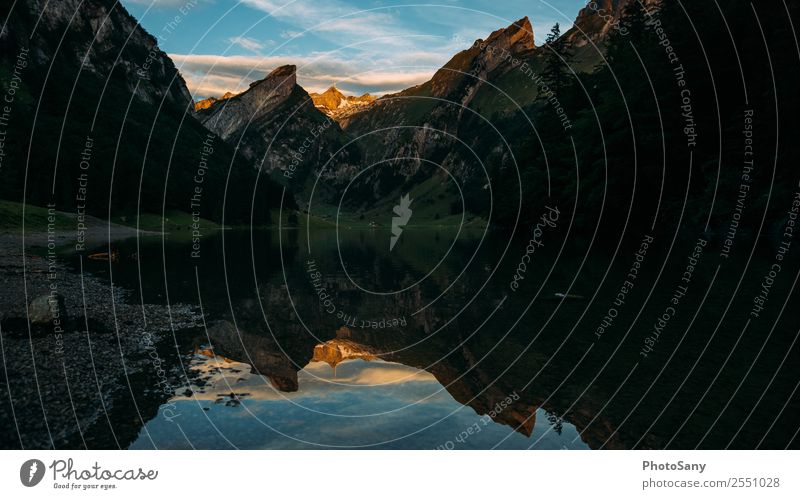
x=47 y=308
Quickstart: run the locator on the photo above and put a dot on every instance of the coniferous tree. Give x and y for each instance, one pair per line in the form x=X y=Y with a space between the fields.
x=556 y=65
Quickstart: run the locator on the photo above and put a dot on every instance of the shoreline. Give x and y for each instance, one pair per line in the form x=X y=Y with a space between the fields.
x=66 y=332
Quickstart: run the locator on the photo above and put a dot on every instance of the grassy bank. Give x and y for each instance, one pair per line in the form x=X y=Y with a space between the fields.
x=177 y=223
x=36 y=218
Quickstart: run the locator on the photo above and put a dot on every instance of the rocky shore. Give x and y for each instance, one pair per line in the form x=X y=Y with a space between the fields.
x=79 y=353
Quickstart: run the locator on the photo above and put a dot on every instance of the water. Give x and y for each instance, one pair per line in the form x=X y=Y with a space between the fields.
x=330 y=339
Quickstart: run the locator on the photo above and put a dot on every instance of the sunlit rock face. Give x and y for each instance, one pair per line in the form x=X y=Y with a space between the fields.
x=336 y=351
x=263 y=97
x=276 y=126
x=339 y=106
x=206 y=103
x=516 y=39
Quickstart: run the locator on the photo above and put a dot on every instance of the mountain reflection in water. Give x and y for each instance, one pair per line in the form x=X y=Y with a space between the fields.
x=333 y=341
x=366 y=404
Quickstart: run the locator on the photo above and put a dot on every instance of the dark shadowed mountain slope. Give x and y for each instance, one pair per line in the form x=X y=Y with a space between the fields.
x=640 y=106
x=446 y=131
x=99 y=120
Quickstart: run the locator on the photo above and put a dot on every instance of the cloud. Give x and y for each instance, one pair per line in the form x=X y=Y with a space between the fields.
x=370 y=50
x=362 y=373
x=315 y=380
x=246 y=43
x=213 y=75
x=168 y=4
x=291 y=34
x=338 y=23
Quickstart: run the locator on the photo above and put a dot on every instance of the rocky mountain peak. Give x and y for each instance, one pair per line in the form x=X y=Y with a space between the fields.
x=338 y=105
x=38 y=25
x=483 y=57
x=208 y=102
x=273 y=120
x=223 y=116
x=282 y=75
x=332 y=90
x=204 y=103
x=329 y=99
x=515 y=40
x=518 y=37
x=598 y=19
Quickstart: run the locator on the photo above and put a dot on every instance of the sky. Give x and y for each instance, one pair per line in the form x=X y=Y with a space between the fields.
x=375 y=46
x=365 y=403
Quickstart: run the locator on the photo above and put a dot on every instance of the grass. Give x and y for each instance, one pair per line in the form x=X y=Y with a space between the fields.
x=427 y=213
x=178 y=221
x=36 y=218
x=431 y=206
x=170 y=221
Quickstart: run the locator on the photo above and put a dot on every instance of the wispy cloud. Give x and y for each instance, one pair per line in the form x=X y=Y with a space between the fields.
x=332 y=17
x=374 y=50
x=246 y=43
x=291 y=34
x=168 y=4
x=317 y=379
x=213 y=75
x=370 y=54
x=382 y=48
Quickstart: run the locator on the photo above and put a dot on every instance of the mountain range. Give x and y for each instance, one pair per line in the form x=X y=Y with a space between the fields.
x=101 y=120
x=491 y=135
x=448 y=134
x=430 y=140
x=276 y=126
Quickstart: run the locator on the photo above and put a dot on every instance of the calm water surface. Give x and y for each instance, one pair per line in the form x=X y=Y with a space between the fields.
x=334 y=340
